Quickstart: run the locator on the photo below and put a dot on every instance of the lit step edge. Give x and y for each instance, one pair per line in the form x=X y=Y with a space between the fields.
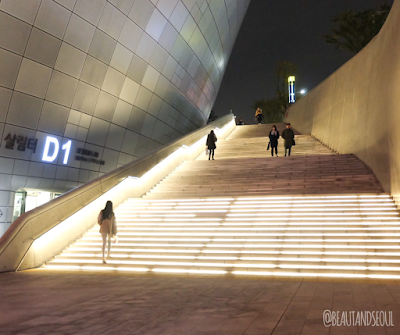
x=361 y=196
x=244 y=252
x=225 y=209
x=254 y=246
x=66 y=255
x=237 y=236
x=247 y=240
x=125 y=269
x=228 y=265
x=217 y=229
x=227 y=204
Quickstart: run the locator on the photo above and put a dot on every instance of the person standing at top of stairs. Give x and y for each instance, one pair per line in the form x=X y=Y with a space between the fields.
x=288 y=136
x=211 y=139
x=259 y=116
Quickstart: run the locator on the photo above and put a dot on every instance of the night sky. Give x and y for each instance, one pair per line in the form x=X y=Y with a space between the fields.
x=276 y=30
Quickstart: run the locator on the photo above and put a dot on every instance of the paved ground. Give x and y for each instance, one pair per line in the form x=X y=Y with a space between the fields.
x=43 y=302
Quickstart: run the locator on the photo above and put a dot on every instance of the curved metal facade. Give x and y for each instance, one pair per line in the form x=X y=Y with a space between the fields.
x=89 y=85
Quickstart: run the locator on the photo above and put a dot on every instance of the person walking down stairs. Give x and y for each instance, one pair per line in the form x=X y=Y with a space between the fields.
x=211 y=139
x=273 y=140
x=288 y=136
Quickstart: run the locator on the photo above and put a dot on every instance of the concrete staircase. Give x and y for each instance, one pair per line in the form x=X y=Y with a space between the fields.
x=313 y=214
x=243 y=167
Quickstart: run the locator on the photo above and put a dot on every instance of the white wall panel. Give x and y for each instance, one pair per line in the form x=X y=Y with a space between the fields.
x=9 y=67
x=79 y=33
x=5 y=98
x=52 y=18
x=90 y=10
x=14 y=33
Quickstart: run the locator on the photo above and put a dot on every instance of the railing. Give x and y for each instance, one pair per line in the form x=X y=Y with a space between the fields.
x=38 y=235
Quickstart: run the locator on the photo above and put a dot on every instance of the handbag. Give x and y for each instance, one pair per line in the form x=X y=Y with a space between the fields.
x=294 y=142
x=269 y=145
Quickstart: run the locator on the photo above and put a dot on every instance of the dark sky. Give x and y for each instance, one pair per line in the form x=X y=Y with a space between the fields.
x=276 y=30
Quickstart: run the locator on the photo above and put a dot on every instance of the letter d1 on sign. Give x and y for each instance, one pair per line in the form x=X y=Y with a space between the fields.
x=52 y=145
x=50 y=141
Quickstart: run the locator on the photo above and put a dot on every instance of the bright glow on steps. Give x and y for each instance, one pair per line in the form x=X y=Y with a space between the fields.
x=231 y=265
x=316 y=275
x=178 y=236
x=180 y=239
x=72 y=256
x=249 y=246
x=259 y=252
x=94 y=268
x=323 y=236
x=220 y=272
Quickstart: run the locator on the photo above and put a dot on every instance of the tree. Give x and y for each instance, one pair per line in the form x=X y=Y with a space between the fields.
x=354 y=30
x=274 y=109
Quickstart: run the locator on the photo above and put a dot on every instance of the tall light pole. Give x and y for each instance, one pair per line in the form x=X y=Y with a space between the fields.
x=292 y=94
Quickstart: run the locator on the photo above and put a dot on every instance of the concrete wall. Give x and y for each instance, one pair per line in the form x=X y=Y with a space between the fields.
x=356 y=110
x=118 y=78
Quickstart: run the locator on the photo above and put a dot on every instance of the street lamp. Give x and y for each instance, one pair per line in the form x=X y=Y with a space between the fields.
x=292 y=94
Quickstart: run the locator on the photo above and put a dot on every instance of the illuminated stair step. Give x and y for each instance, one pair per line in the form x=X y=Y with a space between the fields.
x=388 y=270
x=279 y=206
x=221 y=272
x=179 y=194
x=265 y=239
x=257 y=208
x=235 y=259
x=243 y=233
x=242 y=236
x=346 y=257
x=249 y=253
x=240 y=182
x=271 y=199
x=264 y=246
x=264 y=212
x=239 y=257
x=255 y=225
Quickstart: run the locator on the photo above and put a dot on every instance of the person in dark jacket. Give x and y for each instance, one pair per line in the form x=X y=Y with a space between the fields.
x=288 y=136
x=211 y=139
x=273 y=140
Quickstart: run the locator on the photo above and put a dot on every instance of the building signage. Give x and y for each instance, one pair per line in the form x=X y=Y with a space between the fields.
x=88 y=156
x=52 y=149
x=22 y=142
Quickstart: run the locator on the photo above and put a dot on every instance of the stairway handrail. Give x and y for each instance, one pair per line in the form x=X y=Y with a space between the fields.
x=19 y=237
